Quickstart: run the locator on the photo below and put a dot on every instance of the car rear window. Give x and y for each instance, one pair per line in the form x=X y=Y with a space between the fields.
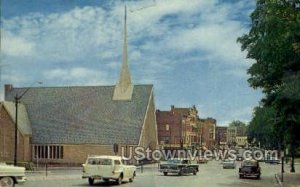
x=99 y=161
x=249 y=163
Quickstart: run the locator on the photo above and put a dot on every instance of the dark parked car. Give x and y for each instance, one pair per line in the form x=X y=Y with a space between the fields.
x=250 y=168
x=179 y=166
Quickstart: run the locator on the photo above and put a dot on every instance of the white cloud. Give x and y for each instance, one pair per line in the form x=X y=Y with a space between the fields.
x=69 y=45
x=78 y=75
x=217 y=40
x=62 y=37
x=13 y=45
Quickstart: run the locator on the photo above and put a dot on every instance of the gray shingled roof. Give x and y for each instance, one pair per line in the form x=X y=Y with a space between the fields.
x=84 y=115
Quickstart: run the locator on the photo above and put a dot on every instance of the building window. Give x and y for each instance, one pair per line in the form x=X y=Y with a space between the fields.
x=167 y=127
x=48 y=152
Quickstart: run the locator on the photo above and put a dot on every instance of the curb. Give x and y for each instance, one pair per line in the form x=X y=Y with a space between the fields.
x=278 y=180
x=42 y=178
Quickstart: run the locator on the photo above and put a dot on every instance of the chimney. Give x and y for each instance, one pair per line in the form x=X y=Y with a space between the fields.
x=172 y=107
x=7 y=89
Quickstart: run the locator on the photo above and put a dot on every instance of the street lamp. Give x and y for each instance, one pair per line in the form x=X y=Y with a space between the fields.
x=17 y=100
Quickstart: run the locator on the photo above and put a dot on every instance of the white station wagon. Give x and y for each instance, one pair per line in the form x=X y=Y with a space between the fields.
x=108 y=168
x=11 y=175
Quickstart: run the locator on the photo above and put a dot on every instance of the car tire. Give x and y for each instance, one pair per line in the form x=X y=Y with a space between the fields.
x=165 y=173
x=194 y=172
x=7 y=182
x=119 y=180
x=179 y=173
x=131 y=179
x=106 y=180
x=91 y=181
x=241 y=176
x=258 y=177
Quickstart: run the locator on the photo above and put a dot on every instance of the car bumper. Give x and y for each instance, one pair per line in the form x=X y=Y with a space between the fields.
x=250 y=174
x=228 y=167
x=99 y=177
x=170 y=170
x=21 y=180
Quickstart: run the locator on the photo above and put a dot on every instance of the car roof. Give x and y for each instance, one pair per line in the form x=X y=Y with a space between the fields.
x=249 y=162
x=107 y=157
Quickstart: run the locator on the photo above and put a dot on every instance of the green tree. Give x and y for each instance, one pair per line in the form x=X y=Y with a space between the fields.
x=237 y=123
x=241 y=127
x=274 y=43
x=262 y=128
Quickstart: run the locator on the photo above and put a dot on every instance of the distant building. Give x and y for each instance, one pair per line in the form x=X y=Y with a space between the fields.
x=66 y=124
x=233 y=132
x=231 y=136
x=221 y=136
x=241 y=141
x=208 y=132
x=177 y=127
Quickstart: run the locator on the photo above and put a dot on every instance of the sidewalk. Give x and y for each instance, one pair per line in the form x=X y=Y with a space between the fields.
x=54 y=173
x=289 y=179
x=50 y=176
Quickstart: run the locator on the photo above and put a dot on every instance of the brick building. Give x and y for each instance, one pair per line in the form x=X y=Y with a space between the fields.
x=221 y=136
x=69 y=123
x=177 y=127
x=208 y=133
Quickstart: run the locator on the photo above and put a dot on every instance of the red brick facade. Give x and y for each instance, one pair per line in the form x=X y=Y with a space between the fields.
x=178 y=127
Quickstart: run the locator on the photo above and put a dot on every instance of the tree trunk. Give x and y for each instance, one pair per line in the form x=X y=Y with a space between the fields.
x=293 y=164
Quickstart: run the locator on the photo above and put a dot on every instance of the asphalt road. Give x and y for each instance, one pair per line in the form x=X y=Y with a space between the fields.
x=211 y=175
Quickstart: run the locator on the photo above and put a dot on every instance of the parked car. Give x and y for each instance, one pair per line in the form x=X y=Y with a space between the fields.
x=11 y=175
x=108 y=168
x=179 y=166
x=250 y=168
x=272 y=160
x=227 y=163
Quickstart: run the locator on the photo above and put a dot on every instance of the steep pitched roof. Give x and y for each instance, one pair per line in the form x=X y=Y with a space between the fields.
x=24 y=125
x=78 y=115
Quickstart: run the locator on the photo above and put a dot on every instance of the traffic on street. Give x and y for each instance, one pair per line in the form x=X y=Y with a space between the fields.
x=210 y=174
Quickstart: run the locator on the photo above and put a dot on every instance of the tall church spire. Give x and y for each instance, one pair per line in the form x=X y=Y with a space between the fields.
x=123 y=89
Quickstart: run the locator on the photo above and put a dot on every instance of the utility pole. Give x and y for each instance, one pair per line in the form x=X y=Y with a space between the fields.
x=17 y=100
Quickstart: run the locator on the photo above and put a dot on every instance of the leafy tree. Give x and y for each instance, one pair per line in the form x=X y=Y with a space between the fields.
x=237 y=123
x=262 y=128
x=274 y=43
x=241 y=127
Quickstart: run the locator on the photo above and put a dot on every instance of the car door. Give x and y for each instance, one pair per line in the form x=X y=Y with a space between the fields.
x=118 y=167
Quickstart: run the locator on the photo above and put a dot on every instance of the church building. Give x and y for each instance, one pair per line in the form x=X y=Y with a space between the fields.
x=66 y=124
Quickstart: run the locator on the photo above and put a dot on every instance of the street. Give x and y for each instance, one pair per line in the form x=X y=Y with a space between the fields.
x=211 y=174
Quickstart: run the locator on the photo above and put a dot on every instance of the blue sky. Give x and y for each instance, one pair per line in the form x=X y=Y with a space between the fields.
x=186 y=49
